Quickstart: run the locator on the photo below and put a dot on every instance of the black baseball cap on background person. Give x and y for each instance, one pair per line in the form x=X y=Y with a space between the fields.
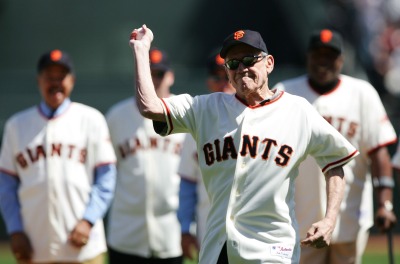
x=55 y=57
x=159 y=60
x=215 y=63
x=245 y=36
x=326 y=38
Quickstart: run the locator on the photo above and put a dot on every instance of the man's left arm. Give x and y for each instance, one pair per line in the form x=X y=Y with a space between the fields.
x=99 y=202
x=320 y=233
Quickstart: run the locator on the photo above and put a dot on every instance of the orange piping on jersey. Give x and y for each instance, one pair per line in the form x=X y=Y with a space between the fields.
x=259 y=105
x=169 y=117
x=339 y=161
x=331 y=91
x=382 y=145
x=104 y=163
x=186 y=178
x=13 y=174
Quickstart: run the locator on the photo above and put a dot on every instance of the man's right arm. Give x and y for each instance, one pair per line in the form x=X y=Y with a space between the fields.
x=150 y=106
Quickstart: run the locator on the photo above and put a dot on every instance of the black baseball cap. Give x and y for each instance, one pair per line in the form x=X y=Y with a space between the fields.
x=326 y=38
x=245 y=36
x=215 y=63
x=55 y=57
x=159 y=60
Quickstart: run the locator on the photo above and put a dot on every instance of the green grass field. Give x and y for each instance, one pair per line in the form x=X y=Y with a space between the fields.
x=376 y=252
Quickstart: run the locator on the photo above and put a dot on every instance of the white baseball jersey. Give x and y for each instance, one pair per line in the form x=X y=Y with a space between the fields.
x=55 y=162
x=249 y=158
x=189 y=169
x=356 y=111
x=143 y=218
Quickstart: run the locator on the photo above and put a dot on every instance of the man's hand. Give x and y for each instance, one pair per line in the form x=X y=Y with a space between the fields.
x=21 y=248
x=190 y=246
x=141 y=37
x=79 y=236
x=319 y=235
x=385 y=219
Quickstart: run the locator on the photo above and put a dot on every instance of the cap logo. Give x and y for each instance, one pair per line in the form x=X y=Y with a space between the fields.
x=326 y=36
x=219 y=60
x=55 y=55
x=156 y=56
x=238 y=34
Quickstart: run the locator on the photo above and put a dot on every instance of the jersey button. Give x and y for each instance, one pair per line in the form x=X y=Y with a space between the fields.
x=234 y=244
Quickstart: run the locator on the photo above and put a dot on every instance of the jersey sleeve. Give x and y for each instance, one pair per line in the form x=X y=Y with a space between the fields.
x=101 y=141
x=7 y=159
x=180 y=114
x=329 y=148
x=378 y=130
x=188 y=165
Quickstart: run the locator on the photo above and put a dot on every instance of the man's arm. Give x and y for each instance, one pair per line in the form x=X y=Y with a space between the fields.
x=320 y=233
x=100 y=198
x=381 y=170
x=150 y=106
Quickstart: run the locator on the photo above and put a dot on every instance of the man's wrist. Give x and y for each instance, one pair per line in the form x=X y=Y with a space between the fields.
x=388 y=205
x=383 y=182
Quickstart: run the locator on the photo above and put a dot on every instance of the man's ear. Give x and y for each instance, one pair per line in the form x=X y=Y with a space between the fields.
x=270 y=62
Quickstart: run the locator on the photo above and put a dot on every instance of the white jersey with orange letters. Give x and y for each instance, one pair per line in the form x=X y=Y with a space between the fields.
x=54 y=160
x=249 y=158
x=356 y=111
x=142 y=218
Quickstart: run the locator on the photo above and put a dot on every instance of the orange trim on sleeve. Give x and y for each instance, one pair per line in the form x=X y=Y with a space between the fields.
x=339 y=161
x=13 y=174
x=382 y=145
x=170 y=125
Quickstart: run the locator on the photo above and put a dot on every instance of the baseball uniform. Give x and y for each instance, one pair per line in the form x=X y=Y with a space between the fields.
x=54 y=160
x=189 y=170
x=142 y=219
x=354 y=108
x=249 y=158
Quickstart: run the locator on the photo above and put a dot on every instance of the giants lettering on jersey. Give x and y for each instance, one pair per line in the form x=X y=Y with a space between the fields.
x=345 y=127
x=57 y=149
x=222 y=151
x=129 y=147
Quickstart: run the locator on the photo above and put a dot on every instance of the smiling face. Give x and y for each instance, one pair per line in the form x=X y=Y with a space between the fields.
x=324 y=65
x=55 y=84
x=251 y=83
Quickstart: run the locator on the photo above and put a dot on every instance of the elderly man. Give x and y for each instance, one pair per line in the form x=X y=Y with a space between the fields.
x=250 y=145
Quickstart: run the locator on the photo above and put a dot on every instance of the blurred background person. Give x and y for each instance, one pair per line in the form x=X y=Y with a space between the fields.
x=193 y=198
x=354 y=108
x=142 y=224
x=57 y=173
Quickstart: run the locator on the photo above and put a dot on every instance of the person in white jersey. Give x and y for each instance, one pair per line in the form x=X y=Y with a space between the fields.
x=193 y=199
x=250 y=145
x=354 y=108
x=143 y=226
x=57 y=173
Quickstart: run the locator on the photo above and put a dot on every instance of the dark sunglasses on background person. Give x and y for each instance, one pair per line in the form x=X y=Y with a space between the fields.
x=247 y=61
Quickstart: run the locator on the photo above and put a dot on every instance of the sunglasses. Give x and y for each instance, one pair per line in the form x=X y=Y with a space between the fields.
x=247 y=61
